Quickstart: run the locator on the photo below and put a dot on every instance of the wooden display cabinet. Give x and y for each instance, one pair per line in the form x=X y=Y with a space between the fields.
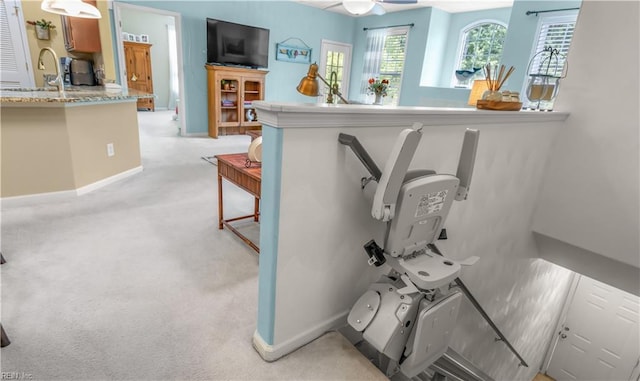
x=138 y=65
x=231 y=91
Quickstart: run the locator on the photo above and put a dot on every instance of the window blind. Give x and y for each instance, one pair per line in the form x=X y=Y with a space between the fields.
x=390 y=61
x=555 y=32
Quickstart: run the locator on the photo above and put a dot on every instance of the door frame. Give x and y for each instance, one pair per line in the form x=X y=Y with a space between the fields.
x=346 y=74
x=118 y=7
x=22 y=38
x=575 y=280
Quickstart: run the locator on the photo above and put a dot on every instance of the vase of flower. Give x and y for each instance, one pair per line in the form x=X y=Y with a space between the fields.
x=378 y=88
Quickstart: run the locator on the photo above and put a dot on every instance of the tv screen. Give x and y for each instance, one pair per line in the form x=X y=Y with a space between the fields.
x=236 y=44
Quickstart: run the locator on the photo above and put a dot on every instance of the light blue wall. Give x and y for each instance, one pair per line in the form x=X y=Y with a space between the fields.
x=432 y=46
x=431 y=42
x=416 y=45
x=523 y=28
x=459 y=21
x=284 y=19
x=436 y=48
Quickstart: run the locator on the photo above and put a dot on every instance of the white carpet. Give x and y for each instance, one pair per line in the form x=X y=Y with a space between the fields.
x=134 y=281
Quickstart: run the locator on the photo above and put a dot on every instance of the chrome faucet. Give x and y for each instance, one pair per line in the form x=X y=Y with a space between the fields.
x=57 y=82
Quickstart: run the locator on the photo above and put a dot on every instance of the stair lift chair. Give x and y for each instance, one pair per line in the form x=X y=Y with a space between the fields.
x=409 y=314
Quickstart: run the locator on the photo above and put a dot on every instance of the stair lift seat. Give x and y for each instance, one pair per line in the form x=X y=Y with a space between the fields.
x=409 y=314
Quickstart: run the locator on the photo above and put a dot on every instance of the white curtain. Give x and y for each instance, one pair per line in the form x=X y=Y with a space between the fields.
x=372 y=58
x=173 y=67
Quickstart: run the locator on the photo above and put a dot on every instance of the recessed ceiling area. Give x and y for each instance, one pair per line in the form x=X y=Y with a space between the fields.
x=450 y=6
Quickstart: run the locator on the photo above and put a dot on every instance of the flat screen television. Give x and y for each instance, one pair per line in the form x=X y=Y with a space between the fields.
x=236 y=44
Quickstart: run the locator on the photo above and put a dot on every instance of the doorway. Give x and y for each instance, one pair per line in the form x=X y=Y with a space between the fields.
x=597 y=338
x=335 y=57
x=163 y=31
x=15 y=65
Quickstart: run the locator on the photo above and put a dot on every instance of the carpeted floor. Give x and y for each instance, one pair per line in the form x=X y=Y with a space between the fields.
x=134 y=281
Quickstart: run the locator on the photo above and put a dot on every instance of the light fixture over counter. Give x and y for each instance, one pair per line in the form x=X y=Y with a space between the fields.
x=358 y=7
x=71 y=8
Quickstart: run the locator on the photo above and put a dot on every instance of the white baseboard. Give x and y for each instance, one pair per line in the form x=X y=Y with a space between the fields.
x=38 y=198
x=109 y=180
x=196 y=134
x=271 y=353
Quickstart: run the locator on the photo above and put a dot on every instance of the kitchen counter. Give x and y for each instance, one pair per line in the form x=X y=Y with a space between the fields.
x=73 y=94
x=57 y=144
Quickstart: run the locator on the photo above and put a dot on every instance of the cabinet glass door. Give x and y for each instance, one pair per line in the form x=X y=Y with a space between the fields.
x=229 y=101
x=252 y=92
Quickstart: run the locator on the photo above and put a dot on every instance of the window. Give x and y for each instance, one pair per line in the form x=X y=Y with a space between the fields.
x=555 y=32
x=335 y=57
x=384 y=59
x=482 y=44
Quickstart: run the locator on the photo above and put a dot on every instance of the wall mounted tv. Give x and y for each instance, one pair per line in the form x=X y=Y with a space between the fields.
x=236 y=44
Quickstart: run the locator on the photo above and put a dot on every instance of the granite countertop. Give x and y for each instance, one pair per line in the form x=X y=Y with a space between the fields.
x=72 y=94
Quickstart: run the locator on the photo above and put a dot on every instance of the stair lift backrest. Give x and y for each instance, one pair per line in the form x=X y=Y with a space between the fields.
x=421 y=210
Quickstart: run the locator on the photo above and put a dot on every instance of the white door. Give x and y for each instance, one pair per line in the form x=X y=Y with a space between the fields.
x=15 y=60
x=599 y=339
x=335 y=57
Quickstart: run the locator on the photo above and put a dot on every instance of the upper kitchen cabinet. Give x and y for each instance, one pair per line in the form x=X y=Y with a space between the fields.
x=80 y=34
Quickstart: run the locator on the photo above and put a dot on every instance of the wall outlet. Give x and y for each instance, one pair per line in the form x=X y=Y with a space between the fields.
x=110 y=150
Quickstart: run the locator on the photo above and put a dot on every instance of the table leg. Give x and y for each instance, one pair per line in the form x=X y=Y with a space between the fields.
x=256 y=209
x=220 y=211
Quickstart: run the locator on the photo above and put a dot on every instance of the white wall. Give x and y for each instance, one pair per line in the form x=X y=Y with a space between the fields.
x=591 y=196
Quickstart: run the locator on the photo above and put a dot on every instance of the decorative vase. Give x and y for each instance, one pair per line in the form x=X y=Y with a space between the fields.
x=378 y=100
x=250 y=115
x=42 y=33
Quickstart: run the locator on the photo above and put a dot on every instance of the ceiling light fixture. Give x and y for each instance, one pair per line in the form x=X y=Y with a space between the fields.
x=71 y=8
x=358 y=7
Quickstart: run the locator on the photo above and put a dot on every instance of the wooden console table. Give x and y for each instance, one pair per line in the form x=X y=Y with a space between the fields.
x=233 y=168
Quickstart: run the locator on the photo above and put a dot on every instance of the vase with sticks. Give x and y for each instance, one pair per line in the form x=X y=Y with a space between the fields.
x=493 y=98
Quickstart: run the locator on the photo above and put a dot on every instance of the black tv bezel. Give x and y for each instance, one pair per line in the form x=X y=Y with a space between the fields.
x=246 y=64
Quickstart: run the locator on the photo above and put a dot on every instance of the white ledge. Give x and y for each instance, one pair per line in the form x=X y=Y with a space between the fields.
x=288 y=115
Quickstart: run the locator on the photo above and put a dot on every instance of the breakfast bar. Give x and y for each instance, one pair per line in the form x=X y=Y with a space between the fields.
x=72 y=141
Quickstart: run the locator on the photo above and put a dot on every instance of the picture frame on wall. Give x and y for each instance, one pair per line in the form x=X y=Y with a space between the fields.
x=144 y=38
x=137 y=38
x=131 y=37
x=289 y=53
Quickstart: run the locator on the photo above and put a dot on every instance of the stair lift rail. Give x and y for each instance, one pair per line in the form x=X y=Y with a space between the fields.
x=451 y=366
x=413 y=307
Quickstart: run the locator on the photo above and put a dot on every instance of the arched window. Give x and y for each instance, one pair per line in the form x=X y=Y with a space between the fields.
x=481 y=44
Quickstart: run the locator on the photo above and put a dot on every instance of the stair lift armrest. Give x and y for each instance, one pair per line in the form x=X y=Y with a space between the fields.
x=466 y=162
x=386 y=196
x=362 y=154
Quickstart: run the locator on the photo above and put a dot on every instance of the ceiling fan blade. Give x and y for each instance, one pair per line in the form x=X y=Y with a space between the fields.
x=332 y=6
x=398 y=1
x=378 y=10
